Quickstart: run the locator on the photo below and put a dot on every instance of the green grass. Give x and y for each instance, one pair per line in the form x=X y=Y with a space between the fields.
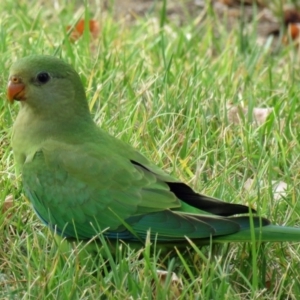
x=163 y=89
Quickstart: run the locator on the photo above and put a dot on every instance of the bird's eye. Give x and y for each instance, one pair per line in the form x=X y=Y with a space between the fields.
x=43 y=77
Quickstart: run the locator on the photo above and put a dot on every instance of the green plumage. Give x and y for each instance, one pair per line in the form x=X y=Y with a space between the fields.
x=82 y=181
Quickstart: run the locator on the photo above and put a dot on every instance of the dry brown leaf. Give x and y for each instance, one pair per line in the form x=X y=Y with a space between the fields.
x=239 y=2
x=260 y=115
x=279 y=188
x=236 y=114
x=175 y=286
x=248 y=184
x=291 y=16
x=8 y=203
x=78 y=29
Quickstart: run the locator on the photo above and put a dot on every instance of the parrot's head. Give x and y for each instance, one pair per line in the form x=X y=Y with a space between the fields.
x=46 y=84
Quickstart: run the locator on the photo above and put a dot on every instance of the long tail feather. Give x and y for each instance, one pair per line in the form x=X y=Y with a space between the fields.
x=270 y=233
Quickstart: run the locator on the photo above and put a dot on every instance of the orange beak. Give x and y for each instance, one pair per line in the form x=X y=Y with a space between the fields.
x=15 y=89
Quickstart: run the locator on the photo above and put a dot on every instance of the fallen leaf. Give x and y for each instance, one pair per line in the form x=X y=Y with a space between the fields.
x=279 y=188
x=291 y=19
x=175 y=285
x=236 y=114
x=239 y=2
x=8 y=203
x=78 y=29
x=261 y=114
x=291 y=16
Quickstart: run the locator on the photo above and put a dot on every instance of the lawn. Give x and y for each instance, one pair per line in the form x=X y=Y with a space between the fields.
x=184 y=95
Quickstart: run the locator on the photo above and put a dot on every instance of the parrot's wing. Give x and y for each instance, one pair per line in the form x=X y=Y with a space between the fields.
x=81 y=190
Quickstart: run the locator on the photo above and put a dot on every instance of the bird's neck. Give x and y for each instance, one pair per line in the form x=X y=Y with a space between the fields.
x=30 y=130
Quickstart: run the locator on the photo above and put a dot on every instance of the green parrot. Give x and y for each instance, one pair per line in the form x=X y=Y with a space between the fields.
x=82 y=181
